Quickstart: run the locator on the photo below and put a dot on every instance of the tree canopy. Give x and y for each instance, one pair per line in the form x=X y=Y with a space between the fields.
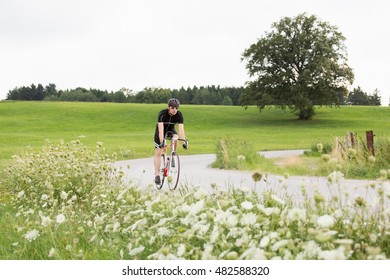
x=300 y=63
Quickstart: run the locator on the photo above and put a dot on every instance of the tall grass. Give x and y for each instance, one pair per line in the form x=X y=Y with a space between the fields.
x=324 y=158
x=67 y=201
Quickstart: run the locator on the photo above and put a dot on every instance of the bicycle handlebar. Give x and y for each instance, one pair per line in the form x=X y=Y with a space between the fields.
x=178 y=139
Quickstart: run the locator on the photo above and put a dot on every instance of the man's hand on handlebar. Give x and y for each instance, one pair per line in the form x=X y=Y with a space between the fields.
x=185 y=145
x=163 y=144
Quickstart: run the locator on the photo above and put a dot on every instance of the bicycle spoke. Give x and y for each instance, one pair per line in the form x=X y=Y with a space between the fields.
x=174 y=171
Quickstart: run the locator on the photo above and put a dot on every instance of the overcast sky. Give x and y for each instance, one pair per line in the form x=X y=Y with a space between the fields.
x=110 y=44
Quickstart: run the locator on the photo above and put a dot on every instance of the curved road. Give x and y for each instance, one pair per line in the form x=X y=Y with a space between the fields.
x=196 y=172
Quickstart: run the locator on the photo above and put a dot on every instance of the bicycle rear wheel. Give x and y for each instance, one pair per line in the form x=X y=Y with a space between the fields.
x=174 y=171
x=162 y=173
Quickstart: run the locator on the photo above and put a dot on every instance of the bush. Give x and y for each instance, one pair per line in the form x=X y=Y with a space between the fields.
x=236 y=154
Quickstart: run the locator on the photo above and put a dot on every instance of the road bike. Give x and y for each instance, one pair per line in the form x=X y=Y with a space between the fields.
x=170 y=163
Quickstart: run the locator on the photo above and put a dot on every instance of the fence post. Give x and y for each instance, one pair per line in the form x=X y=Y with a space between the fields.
x=370 y=141
x=352 y=140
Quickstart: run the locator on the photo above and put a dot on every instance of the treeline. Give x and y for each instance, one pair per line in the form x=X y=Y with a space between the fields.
x=209 y=95
x=205 y=95
x=358 y=97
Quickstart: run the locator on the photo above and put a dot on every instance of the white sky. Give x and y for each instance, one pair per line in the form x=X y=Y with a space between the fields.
x=110 y=44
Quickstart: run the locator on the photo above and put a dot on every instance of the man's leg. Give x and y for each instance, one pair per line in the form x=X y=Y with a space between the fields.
x=175 y=136
x=157 y=165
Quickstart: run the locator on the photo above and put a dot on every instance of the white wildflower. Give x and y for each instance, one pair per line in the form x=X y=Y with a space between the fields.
x=253 y=253
x=200 y=228
x=221 y=217
x=163 y=231
x=31 y=235
x=196 y=207
x=60 y=218
x=273 y=235
x=245 y=189
x=231 y=220
x=337 y=254
x=64 y=195
x=116 y=226
x=338 y=213
x=311 y=249
x=277 y=199
x=264 y=241
x=343 y=241
x=271 y=211
x=201 y=193
x=296 y=214
x=21 y=194
x=248 y=219
x=232 y=255
x=279 y=244
x=335 y=177
x=247 y=205
x=240 y=157
x=44 y=197
x=189 y=220
x=46 y=221
x=214 y=235
x=208 y=248
x=121 y=194
x=99 y=220
x=325 y=221
x=235 y=232
x=181 y=250
x=136 y=251
x=52 y=252
x=185 y=208
x=243 y=240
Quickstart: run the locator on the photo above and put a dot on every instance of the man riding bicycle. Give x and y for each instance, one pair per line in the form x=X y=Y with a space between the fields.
x=166 y=121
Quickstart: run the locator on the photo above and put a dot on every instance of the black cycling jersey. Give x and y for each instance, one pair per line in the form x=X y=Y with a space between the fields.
x=169 y=123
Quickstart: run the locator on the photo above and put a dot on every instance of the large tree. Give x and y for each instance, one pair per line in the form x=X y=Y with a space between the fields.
x=301 y=63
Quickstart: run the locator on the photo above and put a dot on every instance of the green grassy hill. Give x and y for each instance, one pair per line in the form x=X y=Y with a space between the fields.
x=128 y=129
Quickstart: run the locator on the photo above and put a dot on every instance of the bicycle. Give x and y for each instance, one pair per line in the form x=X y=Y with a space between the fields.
x=170 y=164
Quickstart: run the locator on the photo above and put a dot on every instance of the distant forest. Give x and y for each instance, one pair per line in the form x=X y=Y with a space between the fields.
x=204 y=95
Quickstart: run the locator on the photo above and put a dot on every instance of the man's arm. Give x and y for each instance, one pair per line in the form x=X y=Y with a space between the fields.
x=161 y=131
x=182 y=133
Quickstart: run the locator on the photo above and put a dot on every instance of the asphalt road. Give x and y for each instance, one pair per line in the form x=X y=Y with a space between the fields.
x=196 y=172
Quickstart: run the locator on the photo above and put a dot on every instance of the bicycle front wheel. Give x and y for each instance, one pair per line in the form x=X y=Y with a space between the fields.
x=174 y=171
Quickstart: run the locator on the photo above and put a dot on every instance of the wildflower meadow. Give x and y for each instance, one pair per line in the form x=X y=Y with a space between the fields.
x=68 y=201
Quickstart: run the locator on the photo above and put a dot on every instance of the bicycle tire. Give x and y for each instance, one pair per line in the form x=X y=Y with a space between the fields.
x=162 y=166
x=174 y=171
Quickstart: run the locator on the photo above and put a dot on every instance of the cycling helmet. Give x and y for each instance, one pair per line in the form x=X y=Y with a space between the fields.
x=173 y=102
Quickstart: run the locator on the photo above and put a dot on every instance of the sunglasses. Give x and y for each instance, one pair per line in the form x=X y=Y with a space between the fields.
x=177 y=108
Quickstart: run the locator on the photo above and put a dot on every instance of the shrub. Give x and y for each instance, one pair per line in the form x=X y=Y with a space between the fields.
x=236 y=154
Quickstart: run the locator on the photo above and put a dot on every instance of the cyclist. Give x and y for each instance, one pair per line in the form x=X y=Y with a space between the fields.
x=166 y=121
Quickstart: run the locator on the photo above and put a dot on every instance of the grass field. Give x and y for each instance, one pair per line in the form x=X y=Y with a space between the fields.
x=128 y=129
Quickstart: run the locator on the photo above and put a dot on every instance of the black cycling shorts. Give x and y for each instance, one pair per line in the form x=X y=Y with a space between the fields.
x=157 y=138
